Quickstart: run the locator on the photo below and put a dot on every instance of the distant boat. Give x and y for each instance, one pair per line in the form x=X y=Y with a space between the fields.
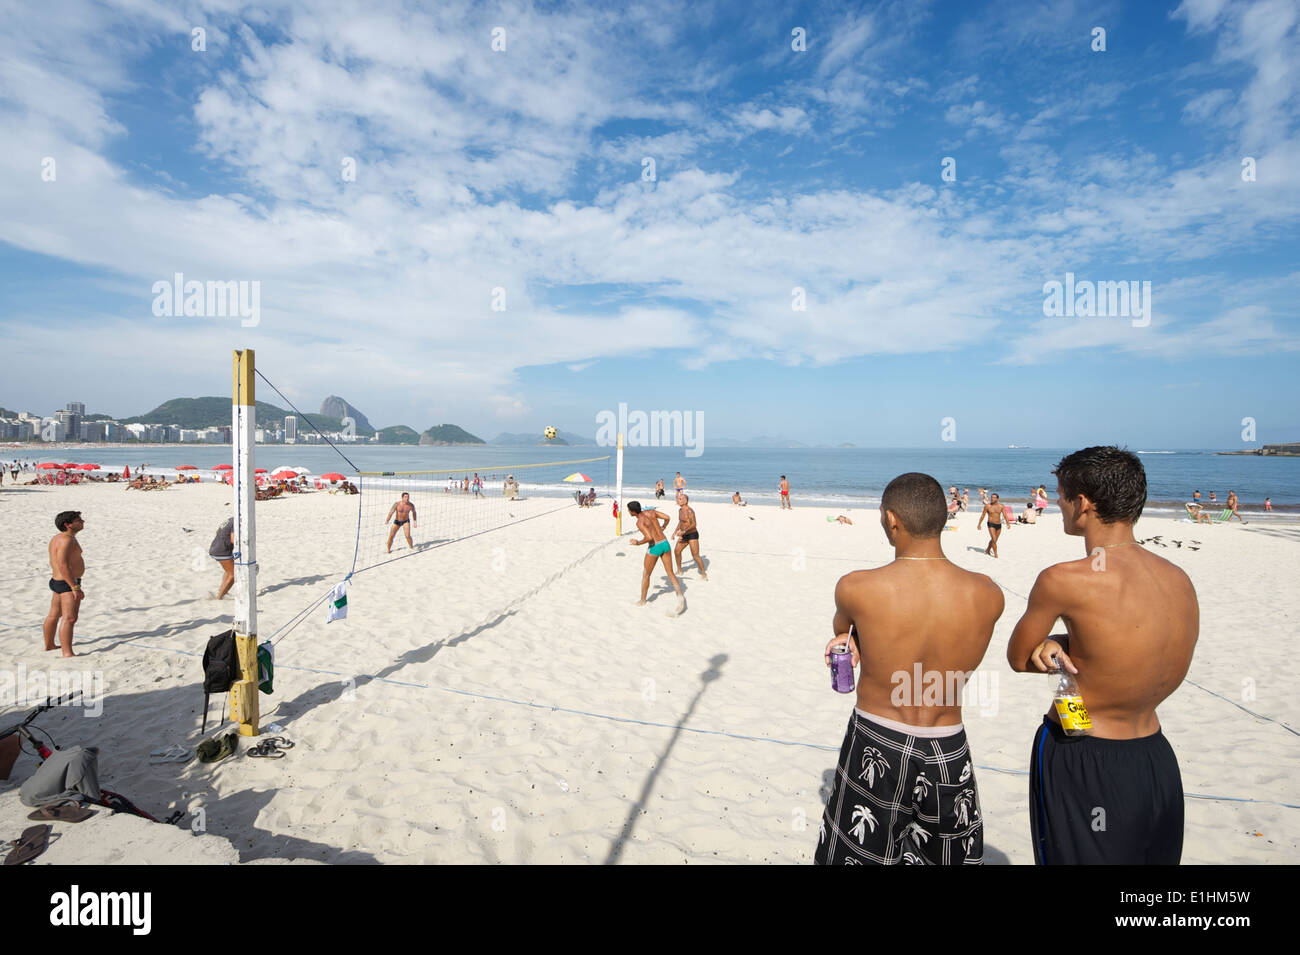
x=1017 y=447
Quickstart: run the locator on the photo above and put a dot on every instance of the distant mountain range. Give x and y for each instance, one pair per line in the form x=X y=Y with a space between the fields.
x=533 y=438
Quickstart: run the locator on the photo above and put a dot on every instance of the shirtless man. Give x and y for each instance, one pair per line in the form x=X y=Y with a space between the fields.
x=785 y=494
x=679 y=483
x=993 y=511
x=404 y=511
x=67 y=565
x=905 y=787
x=652 y=533
x=1132 y=621
x=1233 y=504
x=688 y=532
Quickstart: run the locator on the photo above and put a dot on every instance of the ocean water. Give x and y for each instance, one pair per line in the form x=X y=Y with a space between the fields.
x=837 y=477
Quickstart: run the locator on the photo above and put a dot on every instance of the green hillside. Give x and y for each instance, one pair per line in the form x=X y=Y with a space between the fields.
x=449 y=434
x=398 y=434
x=199 y=413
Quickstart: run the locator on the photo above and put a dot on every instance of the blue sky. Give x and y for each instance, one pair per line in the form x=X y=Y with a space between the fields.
x=775 y=169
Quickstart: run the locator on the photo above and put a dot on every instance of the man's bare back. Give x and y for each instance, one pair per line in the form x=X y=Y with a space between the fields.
x=1132 y=629
x=917 y=611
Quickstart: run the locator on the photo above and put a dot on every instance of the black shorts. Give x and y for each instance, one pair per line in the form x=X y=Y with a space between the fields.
x=400 y=523
x=61 y=587
x=691 y=536
x=1096 y=801
x=992 y=525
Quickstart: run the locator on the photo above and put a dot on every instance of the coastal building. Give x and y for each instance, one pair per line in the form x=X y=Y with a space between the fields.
x=77 y=408
x=290 y=429
x=70 y=422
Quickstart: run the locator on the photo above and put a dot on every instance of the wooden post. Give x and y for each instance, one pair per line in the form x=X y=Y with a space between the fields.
x=618 y=490
x=243 y=693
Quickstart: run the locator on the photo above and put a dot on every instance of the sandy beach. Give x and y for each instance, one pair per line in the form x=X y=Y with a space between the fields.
x=502 y=699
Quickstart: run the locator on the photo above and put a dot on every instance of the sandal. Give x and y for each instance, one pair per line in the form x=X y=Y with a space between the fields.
x=172 y=754
x=32 y=843
x=70 y=810
x=270 y=748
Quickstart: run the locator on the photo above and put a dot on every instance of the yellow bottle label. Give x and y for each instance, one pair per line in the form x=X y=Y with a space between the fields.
x=1072 y=713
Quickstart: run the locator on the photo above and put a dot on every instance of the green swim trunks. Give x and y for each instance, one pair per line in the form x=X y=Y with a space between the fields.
x=660 y=548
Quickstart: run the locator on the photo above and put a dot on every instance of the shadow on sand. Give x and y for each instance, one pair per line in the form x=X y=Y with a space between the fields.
x=713 y=672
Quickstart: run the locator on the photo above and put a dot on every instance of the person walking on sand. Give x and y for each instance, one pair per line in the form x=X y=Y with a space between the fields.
x=785 y=494
x=1233 y=504
x=659 y=489
x=67 y=566
x=904 y=788
x=402 y=514
x=965 y=498
x=993 y=511
x=1132 y=621
x=687 y=534
x=652 y=533
x=222 y=550
x=679 y=482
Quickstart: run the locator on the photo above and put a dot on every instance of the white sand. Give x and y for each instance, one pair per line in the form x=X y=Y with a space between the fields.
x=404 y=755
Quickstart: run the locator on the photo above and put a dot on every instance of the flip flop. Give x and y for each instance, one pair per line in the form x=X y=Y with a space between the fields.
x=32 y=843
x=172 y=754
x=270 y=748
x=68 y=811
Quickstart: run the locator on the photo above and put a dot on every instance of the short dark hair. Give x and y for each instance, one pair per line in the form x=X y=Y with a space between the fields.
x=405 y=494
x=918 y=501
x=634 y=507
x=1112 y=478
x=65 y=518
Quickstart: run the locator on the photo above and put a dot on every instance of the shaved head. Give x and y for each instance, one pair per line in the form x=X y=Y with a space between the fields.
x=917 y=500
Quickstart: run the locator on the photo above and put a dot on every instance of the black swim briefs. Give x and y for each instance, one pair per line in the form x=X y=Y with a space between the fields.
x=61 y=587
x=691 y=536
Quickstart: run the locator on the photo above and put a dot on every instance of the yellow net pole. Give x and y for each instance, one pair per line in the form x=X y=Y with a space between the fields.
x=243 y=693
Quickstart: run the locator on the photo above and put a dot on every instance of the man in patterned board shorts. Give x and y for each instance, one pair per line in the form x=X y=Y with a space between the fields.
x=904 y=790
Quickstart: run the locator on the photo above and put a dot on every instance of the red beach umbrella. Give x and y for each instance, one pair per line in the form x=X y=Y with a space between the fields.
x=284 y=475
x=224 y=467
x=259 y=470
x=333 y=476
x=48 y=464
x=186 y=467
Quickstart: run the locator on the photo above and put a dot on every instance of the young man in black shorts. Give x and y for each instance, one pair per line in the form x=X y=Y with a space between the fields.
x=1113 y=796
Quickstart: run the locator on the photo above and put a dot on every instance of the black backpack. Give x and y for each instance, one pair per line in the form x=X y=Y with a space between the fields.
x=220 y=669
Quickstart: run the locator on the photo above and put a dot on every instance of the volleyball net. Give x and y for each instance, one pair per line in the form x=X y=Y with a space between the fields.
x=404 y=513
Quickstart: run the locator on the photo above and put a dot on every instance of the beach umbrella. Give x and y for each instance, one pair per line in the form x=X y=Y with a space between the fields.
x=259 y=470
x=224 y=467
x=186 y=467
x=87 y=467
x=67 y=465
x=578 y=478
x=126 y=471
x=284 y=475
x=333 y=476
x=48 y=464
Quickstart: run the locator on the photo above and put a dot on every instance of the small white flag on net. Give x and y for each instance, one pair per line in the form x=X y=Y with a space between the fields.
x=337 y=608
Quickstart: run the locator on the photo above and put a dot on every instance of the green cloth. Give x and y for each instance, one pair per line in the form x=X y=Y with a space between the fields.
x=265 y=667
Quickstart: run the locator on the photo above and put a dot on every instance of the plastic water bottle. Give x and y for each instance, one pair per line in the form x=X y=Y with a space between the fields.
x=1069 y=704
